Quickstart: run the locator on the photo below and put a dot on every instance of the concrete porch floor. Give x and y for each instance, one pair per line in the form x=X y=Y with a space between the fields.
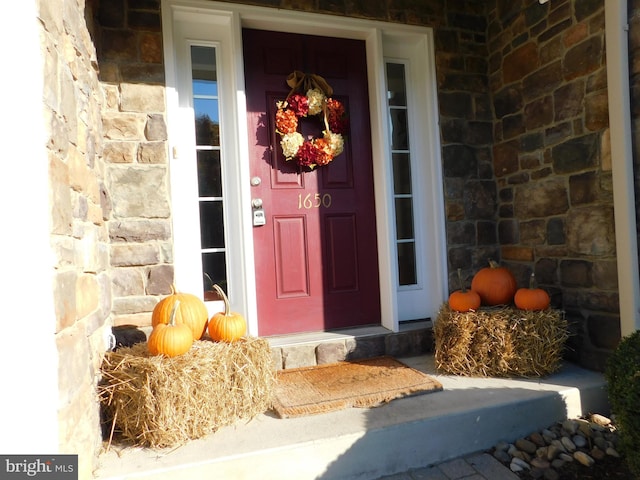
x=469 y=415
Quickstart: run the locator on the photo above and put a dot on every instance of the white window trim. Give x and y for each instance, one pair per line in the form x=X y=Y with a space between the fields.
x=222 y=23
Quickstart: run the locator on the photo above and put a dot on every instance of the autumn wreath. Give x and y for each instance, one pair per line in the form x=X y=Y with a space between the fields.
x=316 y=101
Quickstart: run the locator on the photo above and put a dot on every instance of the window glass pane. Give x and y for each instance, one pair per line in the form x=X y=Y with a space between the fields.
x=401 y=173
x=203 y=87
x=207 y=123
x=207 y=107
x=203 y=64
x=407 y=263
x=396 y=84
x=209 y=174
x=399 y=129
x=211 y=225
x=404 y=219
x=205 y=95
x=214 y=266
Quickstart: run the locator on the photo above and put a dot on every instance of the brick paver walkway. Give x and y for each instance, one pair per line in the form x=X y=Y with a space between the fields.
x=480 y=466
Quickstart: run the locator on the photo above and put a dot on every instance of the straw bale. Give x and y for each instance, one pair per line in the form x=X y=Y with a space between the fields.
x=499 y=341
x=161 y=402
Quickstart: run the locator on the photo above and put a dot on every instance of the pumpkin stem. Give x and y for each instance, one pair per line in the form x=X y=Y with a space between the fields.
x=493 y=263
x=464 y=290
x=532 y=281
x=173 y=289
x=227 y=308
x=172 y=319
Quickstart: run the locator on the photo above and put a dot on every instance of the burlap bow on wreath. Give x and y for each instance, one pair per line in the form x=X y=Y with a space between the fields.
x=303 y=82
x=310 y=95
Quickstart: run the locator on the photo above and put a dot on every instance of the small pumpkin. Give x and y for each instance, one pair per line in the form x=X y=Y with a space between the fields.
x=464 y=300
x=226 y=326
x=170 y=339
x=496 y=285
x=532 y=298
x=192 y=312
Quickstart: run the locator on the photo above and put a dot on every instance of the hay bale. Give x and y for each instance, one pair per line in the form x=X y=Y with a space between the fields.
x=163 y=402
x=499 y=342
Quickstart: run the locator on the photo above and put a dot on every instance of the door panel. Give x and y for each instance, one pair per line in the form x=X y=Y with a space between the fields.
x=316 y=257
x=342 y=253
x=292 y=272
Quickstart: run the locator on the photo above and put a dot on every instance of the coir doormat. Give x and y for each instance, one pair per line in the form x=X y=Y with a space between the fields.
x=362 y=383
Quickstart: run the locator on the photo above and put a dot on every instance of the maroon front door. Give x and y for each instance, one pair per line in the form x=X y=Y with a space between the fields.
x=316 y=256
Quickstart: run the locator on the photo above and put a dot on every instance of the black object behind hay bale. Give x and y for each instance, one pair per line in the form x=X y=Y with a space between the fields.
x=499 y=341
x=160 y=402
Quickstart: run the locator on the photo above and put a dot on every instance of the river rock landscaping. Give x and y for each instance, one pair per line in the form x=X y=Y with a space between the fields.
x=581 y=448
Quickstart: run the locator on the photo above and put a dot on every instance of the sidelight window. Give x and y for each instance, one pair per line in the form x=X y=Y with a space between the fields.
x=403 y=192
x=209 y=166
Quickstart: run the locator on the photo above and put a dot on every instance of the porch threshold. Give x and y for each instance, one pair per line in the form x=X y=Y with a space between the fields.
x=339 y=334
x=328 y=336
x=469 y=415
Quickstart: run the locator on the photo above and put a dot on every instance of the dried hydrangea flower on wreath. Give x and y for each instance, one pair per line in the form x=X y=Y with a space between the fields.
x=317 y=151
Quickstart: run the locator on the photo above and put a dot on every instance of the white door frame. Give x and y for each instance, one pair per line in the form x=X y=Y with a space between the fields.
x=221 y=24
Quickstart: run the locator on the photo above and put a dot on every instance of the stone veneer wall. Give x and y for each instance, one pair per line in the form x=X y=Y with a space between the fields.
x=72 y=102
x=552 y=161
x=129 y=41
x=466 y=121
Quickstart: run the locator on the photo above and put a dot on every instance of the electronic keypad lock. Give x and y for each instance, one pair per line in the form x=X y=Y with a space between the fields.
x=259 y=217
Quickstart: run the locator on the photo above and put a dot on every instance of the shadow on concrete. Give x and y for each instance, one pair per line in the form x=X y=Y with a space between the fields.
x=469 y=415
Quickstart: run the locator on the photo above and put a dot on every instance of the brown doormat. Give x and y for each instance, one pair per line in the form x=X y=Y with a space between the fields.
x=362 y=383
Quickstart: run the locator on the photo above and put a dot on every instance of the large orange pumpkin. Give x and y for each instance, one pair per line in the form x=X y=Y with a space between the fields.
x=170 y=339
x=532 y=298
x=464 y=300
x=496 y=285
x=226 y=326
x=192 y=312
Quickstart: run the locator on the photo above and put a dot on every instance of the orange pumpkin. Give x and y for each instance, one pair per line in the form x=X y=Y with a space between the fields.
x=496 y=285
x=192 y=312
x=464 y=300
x=532 y=298
x=226 y=326
x=170 y=339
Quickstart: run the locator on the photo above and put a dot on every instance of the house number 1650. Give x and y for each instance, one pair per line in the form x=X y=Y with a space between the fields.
x=314 y=201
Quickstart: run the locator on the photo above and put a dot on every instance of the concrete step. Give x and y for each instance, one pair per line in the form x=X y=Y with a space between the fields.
x=469 y=415
x=317 y=348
